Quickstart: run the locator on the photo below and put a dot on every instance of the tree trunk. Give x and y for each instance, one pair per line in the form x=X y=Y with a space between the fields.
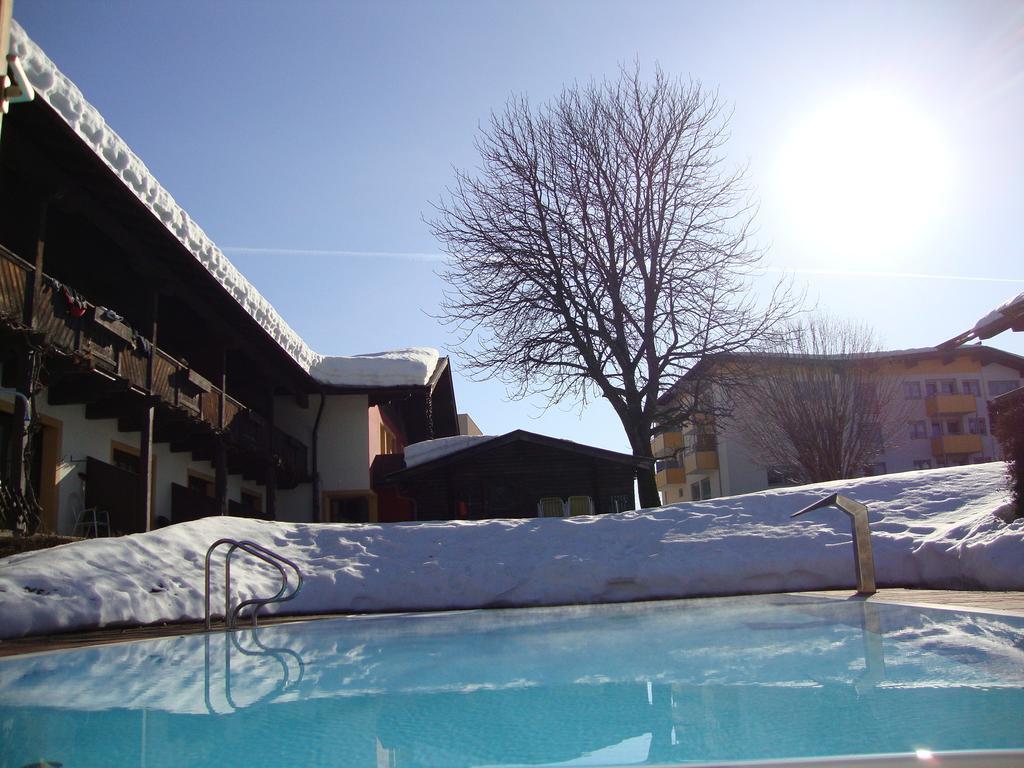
x=647 y=487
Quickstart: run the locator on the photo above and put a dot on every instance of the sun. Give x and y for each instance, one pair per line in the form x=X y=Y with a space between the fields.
x=865 y=176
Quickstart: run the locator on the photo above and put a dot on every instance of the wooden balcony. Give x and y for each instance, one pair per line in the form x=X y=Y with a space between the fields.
x=97 y=359
x=700 y=462
x=670 y=476
x=956 y=444
x=950 y=405
x=666 y=444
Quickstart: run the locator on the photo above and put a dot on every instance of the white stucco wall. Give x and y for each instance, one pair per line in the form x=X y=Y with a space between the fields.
x=343 y=448
x=81 y=438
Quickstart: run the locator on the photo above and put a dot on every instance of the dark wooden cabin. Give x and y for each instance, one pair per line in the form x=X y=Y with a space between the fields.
x=508 y=476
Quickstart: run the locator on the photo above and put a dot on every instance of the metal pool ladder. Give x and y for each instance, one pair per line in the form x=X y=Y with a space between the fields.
x=284 y=594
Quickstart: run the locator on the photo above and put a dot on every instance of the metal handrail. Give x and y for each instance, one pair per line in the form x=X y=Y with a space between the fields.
x=262 y=553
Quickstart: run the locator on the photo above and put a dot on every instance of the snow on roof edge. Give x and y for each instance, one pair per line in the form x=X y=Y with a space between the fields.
x=406 y=367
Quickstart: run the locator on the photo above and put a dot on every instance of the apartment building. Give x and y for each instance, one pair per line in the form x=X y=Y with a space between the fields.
x=945 y=393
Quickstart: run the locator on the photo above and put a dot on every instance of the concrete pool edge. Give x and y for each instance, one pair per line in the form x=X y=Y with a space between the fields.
x=988 y=602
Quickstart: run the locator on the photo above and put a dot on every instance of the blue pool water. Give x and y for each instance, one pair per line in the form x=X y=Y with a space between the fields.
x=650 y=683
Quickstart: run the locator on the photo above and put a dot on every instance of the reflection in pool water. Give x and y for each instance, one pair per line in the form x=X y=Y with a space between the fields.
x=699 y=680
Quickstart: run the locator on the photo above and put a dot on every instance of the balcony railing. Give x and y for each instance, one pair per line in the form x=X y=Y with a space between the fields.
x=670 y=476
x=700 y=461
x=956 y=444
x=667 y=444
x=950 y=405
x=99 y=340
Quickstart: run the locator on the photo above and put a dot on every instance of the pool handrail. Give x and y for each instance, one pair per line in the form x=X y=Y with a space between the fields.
x=260 y=552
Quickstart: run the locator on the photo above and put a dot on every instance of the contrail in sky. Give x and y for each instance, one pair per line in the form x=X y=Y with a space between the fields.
x=415 y=256
x=407 y=255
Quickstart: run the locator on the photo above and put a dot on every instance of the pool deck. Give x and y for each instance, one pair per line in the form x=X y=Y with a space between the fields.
x=1002 y=603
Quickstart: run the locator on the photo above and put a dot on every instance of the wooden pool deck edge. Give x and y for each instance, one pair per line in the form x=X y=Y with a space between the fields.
x=1000 y=603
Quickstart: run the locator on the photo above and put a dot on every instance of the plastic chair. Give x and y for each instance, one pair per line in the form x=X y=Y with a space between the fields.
x=580 y=505
x=550 y=506
x=92 y=519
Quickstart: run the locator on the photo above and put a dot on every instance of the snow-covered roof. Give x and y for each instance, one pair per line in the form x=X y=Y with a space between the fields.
x=406 y=367
x=432 y=450
x=428 y=450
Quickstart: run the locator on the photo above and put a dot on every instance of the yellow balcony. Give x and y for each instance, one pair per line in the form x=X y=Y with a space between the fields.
x=950 y=405
x=700 y=461
x=956 y=444
x=666 y=444
x=670 y=476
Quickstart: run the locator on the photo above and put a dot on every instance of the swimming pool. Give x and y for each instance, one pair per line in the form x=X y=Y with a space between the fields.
x=722 y=679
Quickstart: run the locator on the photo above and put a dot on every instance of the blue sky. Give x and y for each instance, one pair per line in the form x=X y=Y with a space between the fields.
x=319 y=133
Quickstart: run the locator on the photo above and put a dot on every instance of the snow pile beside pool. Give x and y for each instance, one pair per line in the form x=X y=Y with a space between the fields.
x=935 y=528
x=428 y=450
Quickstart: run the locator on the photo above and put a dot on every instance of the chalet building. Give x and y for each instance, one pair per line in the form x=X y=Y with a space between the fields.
x=945 y=392
x=515 y=475
x=151 y=382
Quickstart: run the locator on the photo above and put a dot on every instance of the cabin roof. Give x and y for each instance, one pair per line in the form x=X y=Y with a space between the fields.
x=470 y=450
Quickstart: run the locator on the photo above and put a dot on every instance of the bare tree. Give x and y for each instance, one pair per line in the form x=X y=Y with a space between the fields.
x=821 y=407
x=602 y=248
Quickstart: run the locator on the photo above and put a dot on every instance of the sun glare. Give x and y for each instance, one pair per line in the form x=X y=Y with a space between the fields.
x=865 y=176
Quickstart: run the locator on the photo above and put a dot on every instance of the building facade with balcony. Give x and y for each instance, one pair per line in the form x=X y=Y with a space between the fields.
x=945 y=393
x=143 y=379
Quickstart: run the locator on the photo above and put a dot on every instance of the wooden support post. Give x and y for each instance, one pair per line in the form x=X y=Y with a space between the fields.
x=220 y=451
x=26 y=364
x=223 y=384
x=271 y=481
x=146 y=437
x=220 y=477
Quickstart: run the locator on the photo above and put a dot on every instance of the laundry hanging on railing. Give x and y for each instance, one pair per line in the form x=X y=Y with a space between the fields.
x=142 y=344
x=76 y=303
x=106 y=313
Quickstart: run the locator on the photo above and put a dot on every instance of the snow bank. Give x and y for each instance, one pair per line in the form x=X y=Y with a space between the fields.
x=428 y=450
x=935 y=528
x=401 y=368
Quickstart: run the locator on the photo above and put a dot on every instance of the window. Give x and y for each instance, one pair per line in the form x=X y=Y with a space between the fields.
x=977 y=425
x=251 y=500
x=996 y=388
x=971 y=387
x=982 y=459
x=936 y=429
x=954 y=427
x=348 y=509
x=661 y=466
x=122 y=459
x=912 y=390
x=695 y=491
x=940 y=387
x=918 y=430
x=201 y=484
x=922 y=463
x=705 y=488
